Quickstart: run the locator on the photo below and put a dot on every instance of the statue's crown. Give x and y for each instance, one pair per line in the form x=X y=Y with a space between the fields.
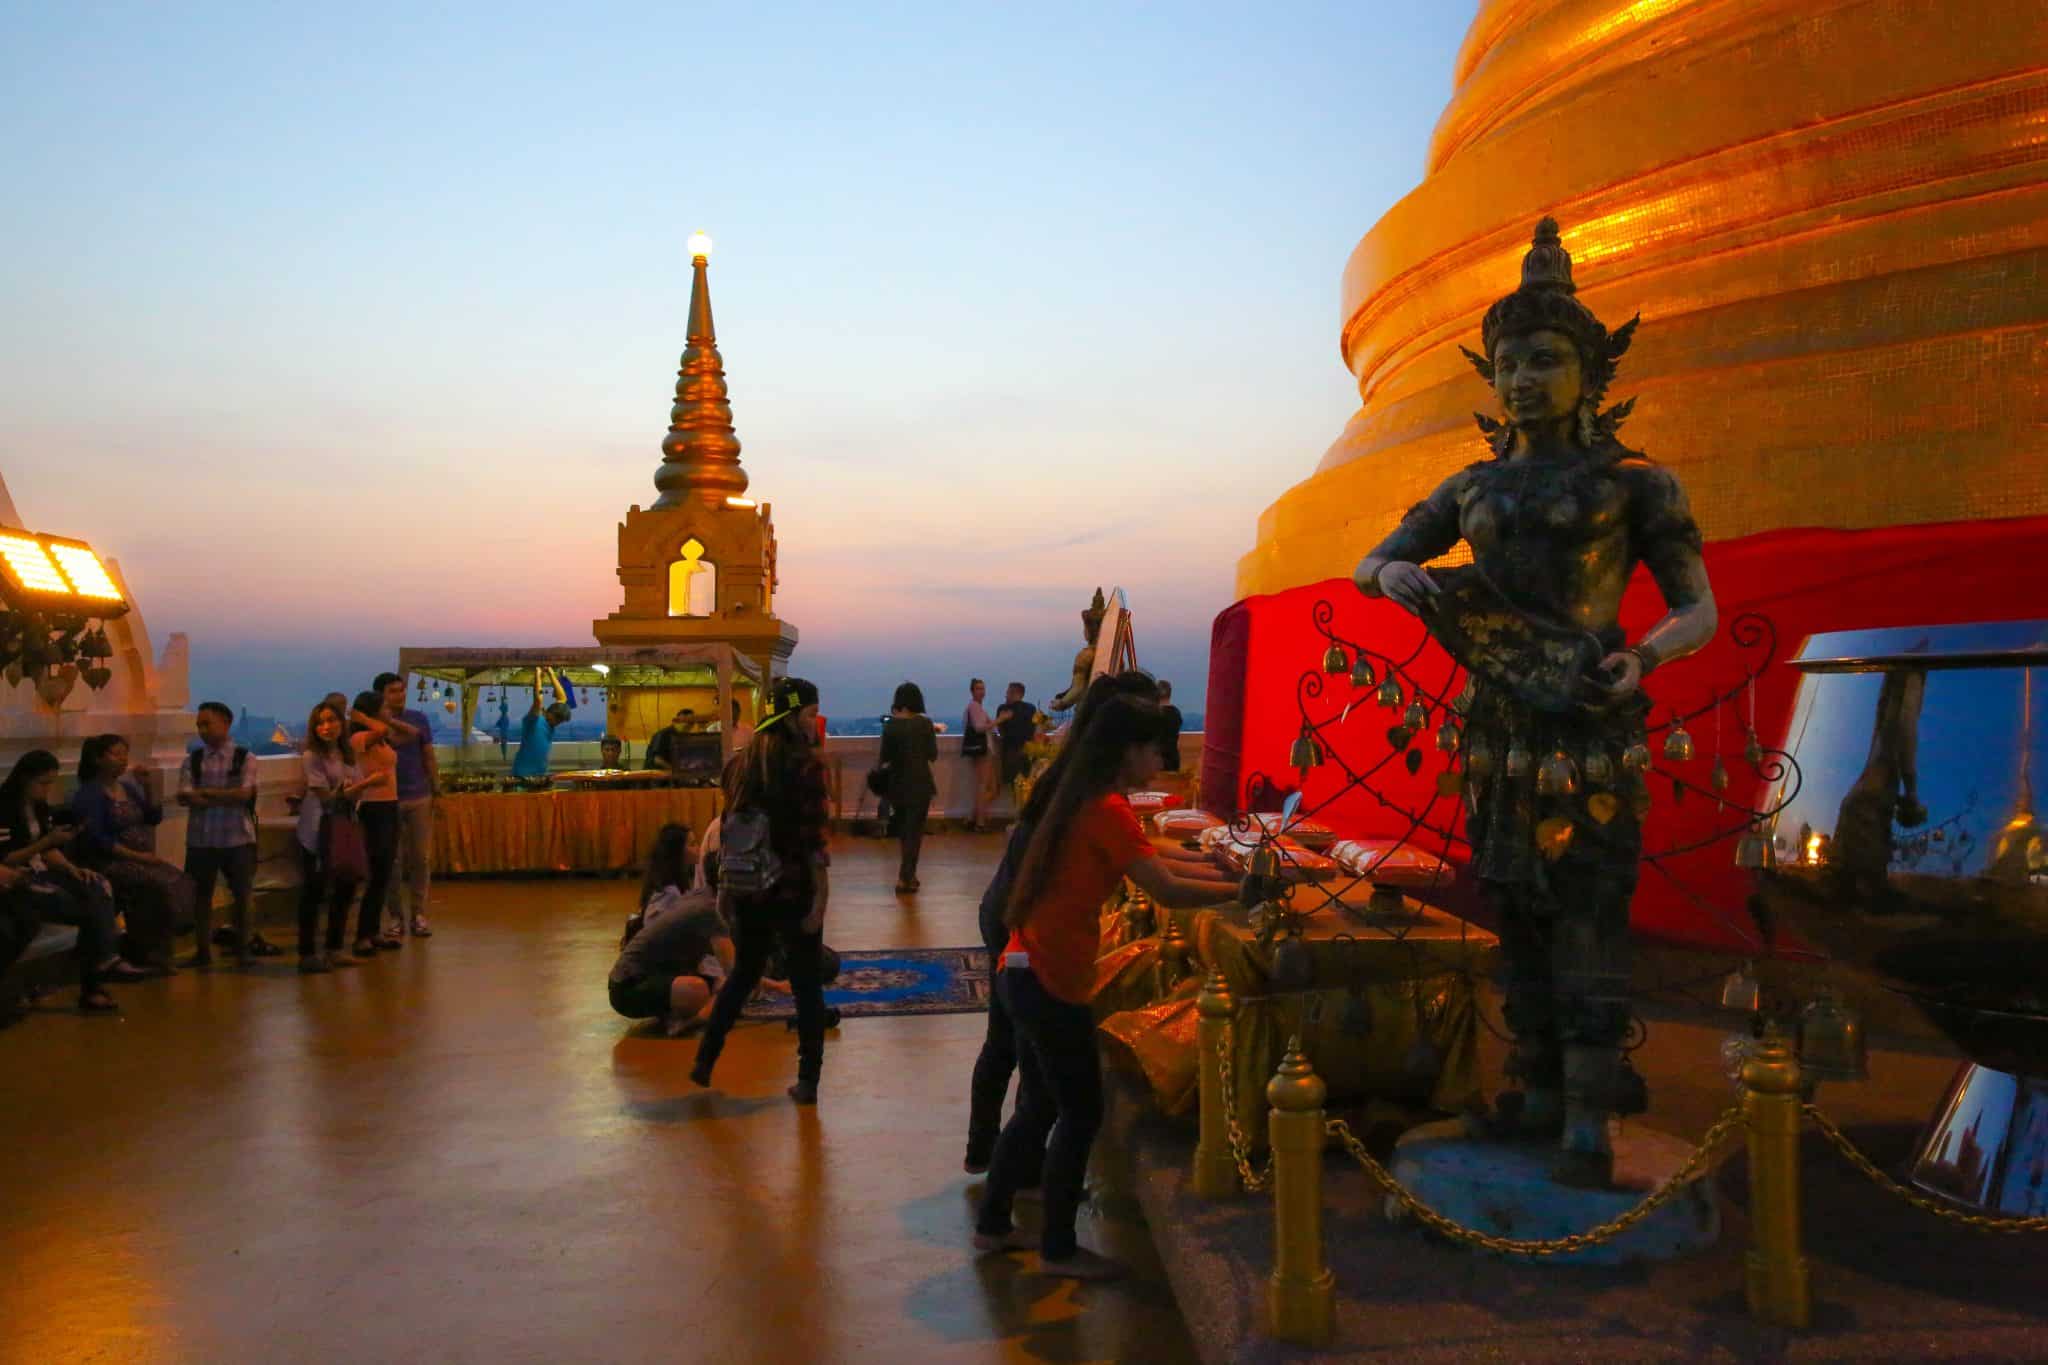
x=1548 y=265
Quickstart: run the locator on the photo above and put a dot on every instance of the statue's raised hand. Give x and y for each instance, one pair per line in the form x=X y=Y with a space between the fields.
x=1408 y=585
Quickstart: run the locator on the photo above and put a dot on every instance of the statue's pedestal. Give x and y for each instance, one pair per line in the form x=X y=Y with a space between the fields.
x=1506 y=1189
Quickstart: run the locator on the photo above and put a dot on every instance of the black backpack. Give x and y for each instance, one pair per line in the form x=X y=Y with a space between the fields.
x=197 y=758
x=748 y=864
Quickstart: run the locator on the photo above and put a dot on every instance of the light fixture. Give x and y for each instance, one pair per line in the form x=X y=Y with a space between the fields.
x=700 y=245
x=740 y=502
x=604 y=670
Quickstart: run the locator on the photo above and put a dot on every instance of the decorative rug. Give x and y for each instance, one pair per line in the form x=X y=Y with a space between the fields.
x=896 y=981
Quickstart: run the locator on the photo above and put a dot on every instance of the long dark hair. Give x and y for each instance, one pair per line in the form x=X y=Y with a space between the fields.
x=669 y=863
x=1132 y=682
x=369 y=703
x=30 y=767
x=766 y=766
x=94 y=752
x=1094 y=755
x=909 y=697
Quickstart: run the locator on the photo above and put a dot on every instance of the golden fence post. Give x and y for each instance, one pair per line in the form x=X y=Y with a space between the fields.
x=1173 y=959
x=1776 y=1271
x=1299 y=1294
x=1215 y=1165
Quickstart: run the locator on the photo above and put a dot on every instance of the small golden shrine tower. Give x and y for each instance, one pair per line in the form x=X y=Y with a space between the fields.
x=699 y=565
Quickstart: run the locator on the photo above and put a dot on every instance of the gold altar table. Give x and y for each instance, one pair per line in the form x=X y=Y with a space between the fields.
x=603 y=830
x=1381 y=990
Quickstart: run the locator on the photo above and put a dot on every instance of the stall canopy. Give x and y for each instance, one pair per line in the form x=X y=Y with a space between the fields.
x=644 y=685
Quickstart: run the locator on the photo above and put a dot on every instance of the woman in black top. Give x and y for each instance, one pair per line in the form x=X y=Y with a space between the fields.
x=779 y=776
x=63 y=893
x=910 y=745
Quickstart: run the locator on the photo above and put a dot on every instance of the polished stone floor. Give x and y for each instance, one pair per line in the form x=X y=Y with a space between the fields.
x=459 y=1153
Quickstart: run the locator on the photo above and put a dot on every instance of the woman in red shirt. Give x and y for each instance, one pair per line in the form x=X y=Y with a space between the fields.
x=1088 y=841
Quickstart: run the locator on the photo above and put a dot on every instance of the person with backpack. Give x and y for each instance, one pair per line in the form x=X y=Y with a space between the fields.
x=1086 y=840
x=217 y=786
x=773 y=867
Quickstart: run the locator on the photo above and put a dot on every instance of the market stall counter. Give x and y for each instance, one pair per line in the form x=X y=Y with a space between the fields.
x=593 y=828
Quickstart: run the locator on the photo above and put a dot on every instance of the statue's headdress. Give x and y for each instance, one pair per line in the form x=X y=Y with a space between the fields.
x=1547 y=301
x=1091 y=619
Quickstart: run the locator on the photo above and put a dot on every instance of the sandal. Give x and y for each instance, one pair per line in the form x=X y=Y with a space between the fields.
x=390 y=943
x=365 y=949
x=419 y=927
x=98 y=1002
x=120 y=969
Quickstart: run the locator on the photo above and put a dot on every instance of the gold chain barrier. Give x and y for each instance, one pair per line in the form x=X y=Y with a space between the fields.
x=1925 y=1203
x=1723 y=1128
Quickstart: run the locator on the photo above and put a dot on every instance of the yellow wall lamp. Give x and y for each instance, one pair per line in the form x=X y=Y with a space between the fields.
x=55 y=599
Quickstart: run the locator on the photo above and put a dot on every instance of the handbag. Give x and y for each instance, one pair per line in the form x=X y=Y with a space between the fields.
x=343 y=851
x=878 y=779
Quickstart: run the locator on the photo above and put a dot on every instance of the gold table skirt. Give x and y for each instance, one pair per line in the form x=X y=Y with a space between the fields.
x=561 y=831
x=1416 y=983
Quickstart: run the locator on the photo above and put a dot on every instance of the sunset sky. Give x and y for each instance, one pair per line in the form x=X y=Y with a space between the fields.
x=350 y=327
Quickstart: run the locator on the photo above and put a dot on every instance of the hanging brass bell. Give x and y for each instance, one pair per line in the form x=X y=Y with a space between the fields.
x=1355 y=1019
x=1753 y=752
x=1558 y=775
x=1306 y=754
x=1832 y=1044
x=1417 y=717
x=1390 y=693
x=1754 y=851
x=1447 y=738
x=1478 y=761
x=1678 y=745
x=1598 y=768
x=1519 y=759
x=1335 y=663
x=1362 y=675
x=1718 y=780
x=1636 y=758
x=1741 y=990
x=1294 y=967
x=1399 y=737
x=98 y=678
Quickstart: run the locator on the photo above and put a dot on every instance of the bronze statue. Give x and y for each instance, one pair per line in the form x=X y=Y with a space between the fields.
x=1084 y=662
x=1557 y=520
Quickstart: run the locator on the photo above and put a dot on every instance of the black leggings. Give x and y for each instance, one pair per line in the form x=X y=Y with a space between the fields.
x=380 y=835
x=1059 y=1111
x=757 y=927
x=997 y=1061
x=910 y=818
x=314 y=887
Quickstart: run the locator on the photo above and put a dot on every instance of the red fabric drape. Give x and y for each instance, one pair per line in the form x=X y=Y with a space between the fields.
x=1223 y=711
x=1806 y=581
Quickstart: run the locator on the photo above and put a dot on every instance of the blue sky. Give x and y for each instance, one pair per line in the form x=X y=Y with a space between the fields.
x=355 y=327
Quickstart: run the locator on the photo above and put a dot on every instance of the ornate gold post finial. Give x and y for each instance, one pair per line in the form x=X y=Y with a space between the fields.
x=1215 y=1165
x=1301 y=1291
x=1776 y=1271
x=700 y=456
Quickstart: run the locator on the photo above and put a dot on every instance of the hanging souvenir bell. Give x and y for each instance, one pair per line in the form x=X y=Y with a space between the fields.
x=1558 y=775
x=1362 y=675
x=1753 y=752
x=1294 y=969
x=1355 y=1020
x=1754 y=851
x=1832 y=1044
x=1399 y=737
x=1478 y=761
x=98 y=678
x=1417 y=717
x=1390 y=693
x=1462 y=703
x=1519 y=759
x=1741 y=991
x=1636 y=758
x=1718 y=780
x=1678 y=745
x=1306 y=754
x=1447 y=738
x=1334 y=661
x=1598 y=768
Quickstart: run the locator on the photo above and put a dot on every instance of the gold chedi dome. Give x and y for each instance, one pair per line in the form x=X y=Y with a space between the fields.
x=1831 y=214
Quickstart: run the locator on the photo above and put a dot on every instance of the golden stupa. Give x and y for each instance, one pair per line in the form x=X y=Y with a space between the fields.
x=1832 y=215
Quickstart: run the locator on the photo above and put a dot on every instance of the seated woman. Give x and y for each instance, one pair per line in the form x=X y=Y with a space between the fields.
x=677 y=949
x=64 y=893
x=117 y=820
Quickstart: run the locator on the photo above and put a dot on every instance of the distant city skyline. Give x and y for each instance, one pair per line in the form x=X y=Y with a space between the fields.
x=345 y=354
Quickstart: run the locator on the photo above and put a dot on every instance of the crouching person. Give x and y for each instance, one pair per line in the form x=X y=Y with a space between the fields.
x=677 y=949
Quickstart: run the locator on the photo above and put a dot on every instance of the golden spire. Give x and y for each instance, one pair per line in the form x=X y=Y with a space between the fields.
x=700 y=456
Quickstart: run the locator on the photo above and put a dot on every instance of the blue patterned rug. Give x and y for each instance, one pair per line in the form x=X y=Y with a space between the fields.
x=897 y=981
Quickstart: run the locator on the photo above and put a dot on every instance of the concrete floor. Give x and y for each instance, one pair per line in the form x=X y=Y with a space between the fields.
x=459 y=1153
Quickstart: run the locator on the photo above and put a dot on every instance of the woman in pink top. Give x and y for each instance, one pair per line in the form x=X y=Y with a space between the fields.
x=377 y=809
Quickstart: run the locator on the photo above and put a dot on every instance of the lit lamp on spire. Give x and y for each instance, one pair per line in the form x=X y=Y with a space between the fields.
x=699 y=564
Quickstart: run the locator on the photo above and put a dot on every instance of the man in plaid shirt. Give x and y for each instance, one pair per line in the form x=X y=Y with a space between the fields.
x=217 y=786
